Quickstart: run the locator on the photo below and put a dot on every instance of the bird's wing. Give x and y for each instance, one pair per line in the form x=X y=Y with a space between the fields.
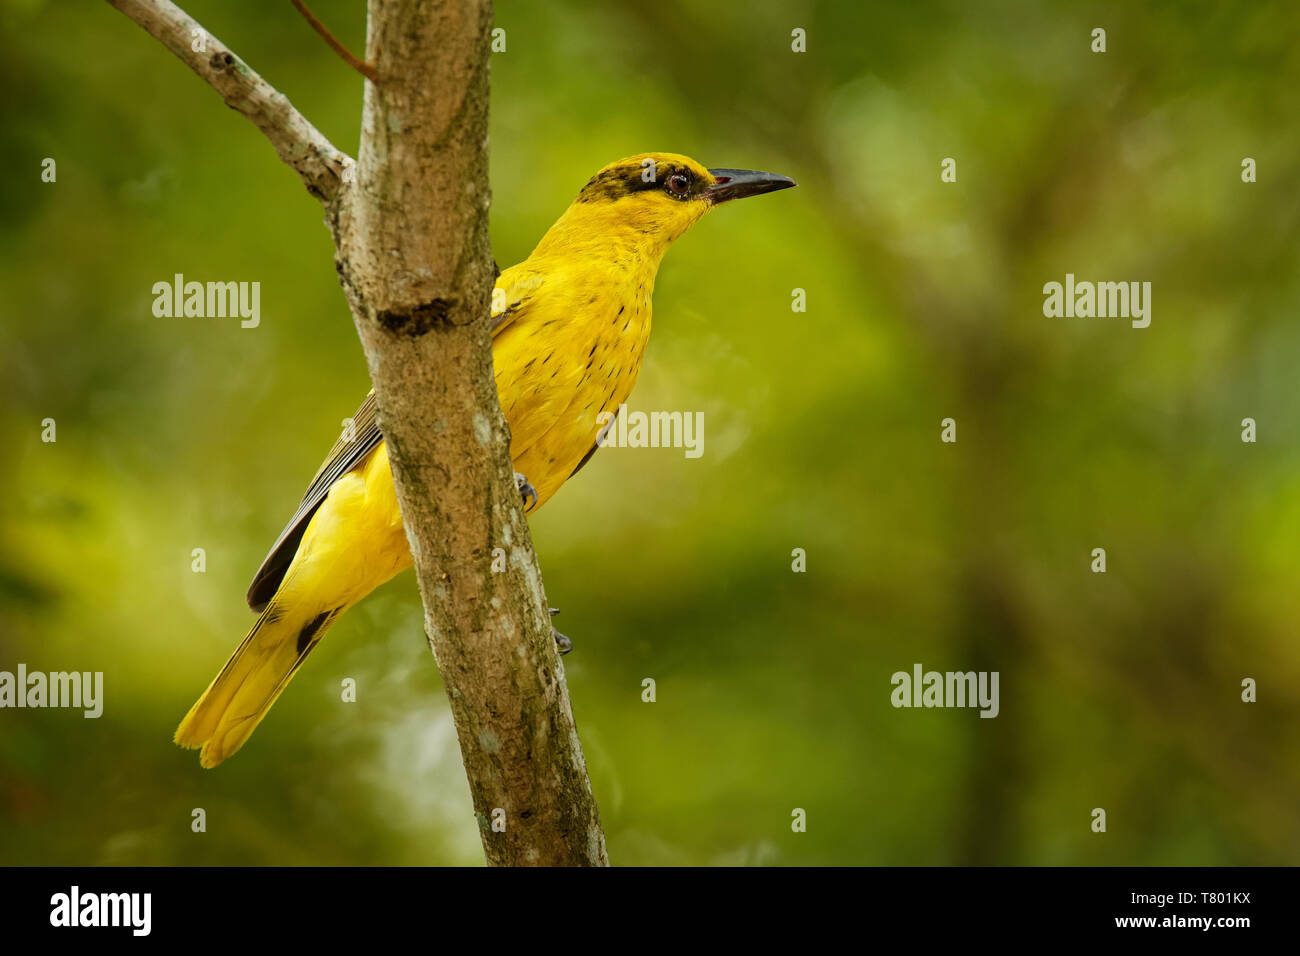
x=518 y=287
x=348 y=452
x=515 y=291
x=600 y=437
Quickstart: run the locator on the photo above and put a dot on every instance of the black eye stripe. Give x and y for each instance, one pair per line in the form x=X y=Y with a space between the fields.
x=616 y=183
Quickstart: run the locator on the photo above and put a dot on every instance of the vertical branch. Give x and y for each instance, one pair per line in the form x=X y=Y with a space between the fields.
x=415 y=261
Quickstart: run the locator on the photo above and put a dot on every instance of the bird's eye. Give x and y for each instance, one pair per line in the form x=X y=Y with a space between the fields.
x=678 y=183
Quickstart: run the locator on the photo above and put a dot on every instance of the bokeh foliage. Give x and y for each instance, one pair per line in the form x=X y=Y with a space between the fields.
x=821 y=431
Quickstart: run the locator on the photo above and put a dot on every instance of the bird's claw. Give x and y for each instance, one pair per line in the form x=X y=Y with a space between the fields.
x=526 y=490
x=562 y=643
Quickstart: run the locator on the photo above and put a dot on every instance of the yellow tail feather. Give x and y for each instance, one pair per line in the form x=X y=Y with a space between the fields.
x=256 y=674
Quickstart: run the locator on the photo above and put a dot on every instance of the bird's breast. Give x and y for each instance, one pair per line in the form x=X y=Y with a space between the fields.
x=574 y=355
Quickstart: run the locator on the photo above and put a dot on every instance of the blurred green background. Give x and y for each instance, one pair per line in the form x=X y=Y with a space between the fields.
x=1118 y=690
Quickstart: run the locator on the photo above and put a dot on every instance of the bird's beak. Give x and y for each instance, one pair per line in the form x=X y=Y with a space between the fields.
x=739 y=183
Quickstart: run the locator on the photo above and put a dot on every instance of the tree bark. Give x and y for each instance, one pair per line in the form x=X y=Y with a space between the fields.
x=414 y=259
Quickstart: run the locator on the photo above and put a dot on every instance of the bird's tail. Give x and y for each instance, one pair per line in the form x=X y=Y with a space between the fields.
x=239 y=697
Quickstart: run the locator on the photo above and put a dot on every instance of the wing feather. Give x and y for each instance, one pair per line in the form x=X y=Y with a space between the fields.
x=520 y=287
x=347 y=453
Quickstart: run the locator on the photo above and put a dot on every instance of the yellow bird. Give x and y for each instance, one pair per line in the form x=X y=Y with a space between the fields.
x=570 y=325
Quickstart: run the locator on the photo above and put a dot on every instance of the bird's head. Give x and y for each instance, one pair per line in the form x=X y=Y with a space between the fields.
x=658 y=196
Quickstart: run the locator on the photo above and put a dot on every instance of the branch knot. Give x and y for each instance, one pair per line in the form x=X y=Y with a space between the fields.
x=434 y=314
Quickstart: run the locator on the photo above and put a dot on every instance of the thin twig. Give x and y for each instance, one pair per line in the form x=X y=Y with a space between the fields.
x=315 y=159
x=361 y=66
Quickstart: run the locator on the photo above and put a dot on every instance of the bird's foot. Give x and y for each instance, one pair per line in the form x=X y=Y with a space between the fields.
x=562 y=643
x=526 y=490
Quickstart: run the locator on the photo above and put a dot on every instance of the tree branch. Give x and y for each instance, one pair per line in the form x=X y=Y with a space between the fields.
x=415 y=262
x=344 y=54
x=314 y=158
